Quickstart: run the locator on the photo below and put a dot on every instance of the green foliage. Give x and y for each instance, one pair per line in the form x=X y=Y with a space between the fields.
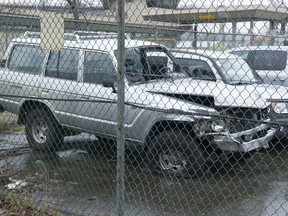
x=8 y=123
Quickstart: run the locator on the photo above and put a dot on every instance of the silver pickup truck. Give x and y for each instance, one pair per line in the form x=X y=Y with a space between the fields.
x=59 y=93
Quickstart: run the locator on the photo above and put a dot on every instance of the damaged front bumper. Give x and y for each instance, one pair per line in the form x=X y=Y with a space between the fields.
x=244 y=141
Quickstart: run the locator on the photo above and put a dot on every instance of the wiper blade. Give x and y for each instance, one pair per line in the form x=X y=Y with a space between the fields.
x=238 y=83
x=139 y=82
x=244 y=83
x=257 y=82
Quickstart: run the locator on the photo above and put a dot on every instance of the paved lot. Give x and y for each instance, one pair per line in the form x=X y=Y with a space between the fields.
x=81 y=180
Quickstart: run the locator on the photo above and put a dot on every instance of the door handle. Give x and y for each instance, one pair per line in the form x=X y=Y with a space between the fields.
x=45 y=90
x=16 y=86
x=85 y=97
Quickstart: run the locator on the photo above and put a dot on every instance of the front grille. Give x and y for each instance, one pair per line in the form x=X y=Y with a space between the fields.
x=240 y=119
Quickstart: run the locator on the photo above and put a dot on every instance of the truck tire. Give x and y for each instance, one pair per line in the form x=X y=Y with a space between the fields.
x=175 y=153
x=42 y=130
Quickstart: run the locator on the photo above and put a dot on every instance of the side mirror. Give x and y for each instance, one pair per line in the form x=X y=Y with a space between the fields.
x=2 y=63
x=109 y=84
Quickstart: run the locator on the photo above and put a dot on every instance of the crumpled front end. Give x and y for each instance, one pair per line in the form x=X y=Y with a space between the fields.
x=244 y=141
x=247 y=129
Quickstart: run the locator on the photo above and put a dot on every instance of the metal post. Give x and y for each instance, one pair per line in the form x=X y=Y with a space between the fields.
x=234 y=30
x=120 y=108
x=194 y=44
x=272 y=31
x=283 y=27
x=252 y=36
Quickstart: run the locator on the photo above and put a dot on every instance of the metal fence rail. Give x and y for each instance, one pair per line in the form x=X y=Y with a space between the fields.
x=143 y=108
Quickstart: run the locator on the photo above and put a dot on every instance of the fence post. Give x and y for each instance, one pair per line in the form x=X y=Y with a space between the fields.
x=120 y=109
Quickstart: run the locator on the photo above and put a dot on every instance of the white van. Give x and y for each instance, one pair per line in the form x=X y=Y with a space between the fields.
x=270 y=62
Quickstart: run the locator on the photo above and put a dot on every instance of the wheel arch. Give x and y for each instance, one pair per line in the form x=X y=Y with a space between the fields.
x=189 y=152
x=28 y=105
x=161 y=126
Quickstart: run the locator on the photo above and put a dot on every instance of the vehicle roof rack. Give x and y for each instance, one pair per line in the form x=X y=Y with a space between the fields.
x=80 y=35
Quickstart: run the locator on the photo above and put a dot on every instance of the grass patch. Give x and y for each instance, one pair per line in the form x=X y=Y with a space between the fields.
x=8 y=123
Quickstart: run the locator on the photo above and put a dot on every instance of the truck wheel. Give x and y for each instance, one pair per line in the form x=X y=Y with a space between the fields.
x=42 y=131
x=175 y=153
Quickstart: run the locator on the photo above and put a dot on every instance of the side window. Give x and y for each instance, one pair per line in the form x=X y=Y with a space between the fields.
x=133 y=66
x=27 y=59
x=98 y=67
x=159 y=64
x=63 y=64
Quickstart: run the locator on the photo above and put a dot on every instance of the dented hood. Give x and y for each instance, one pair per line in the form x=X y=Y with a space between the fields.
x=142 y=96
x=241 y=95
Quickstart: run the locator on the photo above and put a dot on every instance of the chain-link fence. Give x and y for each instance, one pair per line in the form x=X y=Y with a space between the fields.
x=143 y=107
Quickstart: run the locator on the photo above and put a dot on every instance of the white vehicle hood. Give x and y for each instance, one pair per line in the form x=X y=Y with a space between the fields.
x=252 y=96
x=274 y=77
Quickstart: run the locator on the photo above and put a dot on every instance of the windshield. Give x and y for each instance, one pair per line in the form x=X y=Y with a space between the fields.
x=237 y=71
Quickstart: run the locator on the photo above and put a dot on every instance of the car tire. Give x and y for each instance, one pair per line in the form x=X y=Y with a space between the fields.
x=42 y=131
x=175 y=153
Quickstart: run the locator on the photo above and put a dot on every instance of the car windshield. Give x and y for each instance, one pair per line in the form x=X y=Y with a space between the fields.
x=237 y=71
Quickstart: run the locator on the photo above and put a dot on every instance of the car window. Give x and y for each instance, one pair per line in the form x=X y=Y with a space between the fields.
x=98 y=67
x=267 y=59
x=157 y=65
x=197 y=69
x=27 y=59
x=63 y=64
x=144 y=65
x=134 y=70
x=160 y=65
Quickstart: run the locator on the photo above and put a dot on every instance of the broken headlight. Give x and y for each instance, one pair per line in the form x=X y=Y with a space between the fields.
x=280 y=107
x=218 y=125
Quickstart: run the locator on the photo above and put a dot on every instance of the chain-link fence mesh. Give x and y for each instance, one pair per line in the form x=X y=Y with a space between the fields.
x=143 y=107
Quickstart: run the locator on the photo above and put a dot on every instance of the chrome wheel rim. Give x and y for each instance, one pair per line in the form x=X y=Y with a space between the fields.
x=172 y=160
x=40 y=130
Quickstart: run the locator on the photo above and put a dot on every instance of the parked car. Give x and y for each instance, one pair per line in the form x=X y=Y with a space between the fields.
x=242 y=123
x=228 y=84
x=270 y=62
x=59 y=93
